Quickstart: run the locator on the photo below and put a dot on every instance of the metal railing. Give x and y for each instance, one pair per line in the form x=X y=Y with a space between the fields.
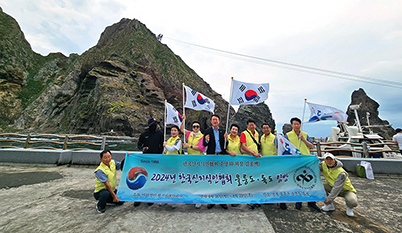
x=366 y=148
x=44 y=138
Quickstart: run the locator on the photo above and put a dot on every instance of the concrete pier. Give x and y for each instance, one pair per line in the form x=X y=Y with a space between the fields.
x=64 y=203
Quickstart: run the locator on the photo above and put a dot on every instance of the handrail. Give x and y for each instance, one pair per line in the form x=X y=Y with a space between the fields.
x=85 y=136
x=88 y=143
x=11 y=140
x=42 y=141
x=13 y=134
x=350 y=143
x=29 y=141
x=369 y=148
x=47 y=135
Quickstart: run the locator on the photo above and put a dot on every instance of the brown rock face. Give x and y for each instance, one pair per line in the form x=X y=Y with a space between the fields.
x=371 y=106
x=116 y=85
x=260 y=113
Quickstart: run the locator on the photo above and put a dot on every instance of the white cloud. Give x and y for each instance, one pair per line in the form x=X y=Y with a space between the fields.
x=362 y=38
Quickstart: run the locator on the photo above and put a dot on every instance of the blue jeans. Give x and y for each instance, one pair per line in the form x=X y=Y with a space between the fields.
x=103 y=197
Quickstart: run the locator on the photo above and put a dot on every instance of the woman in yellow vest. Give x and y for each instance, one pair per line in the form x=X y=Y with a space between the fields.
x=195 y=144
x=173 y=145
x=194 y=138
x=233 y=141
x=105 y=177
x=338 y=183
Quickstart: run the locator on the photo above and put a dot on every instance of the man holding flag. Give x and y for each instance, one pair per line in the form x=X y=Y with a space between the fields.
x=304 y=143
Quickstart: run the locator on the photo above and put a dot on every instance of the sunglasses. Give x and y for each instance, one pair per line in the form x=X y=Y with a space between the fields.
x=196 y=126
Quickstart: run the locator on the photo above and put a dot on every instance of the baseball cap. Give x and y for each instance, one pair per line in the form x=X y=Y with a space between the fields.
x=326 y=155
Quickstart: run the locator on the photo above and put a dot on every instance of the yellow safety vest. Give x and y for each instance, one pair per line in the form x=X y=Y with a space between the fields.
x=332 y=174
x=171 y=142
x=193 y=141
x=250 y=142
x=267 y=145
x=111 y=175
x=294 y=139
x=234 y=145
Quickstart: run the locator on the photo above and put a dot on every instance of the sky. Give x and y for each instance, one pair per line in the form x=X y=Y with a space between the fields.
x=362 y=38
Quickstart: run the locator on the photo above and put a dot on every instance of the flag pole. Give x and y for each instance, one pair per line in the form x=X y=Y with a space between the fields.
x=184 y=120
x=230 y=98
x=164 y=124
x=301 y=126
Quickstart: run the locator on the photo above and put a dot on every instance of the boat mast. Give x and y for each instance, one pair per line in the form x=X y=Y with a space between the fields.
x=354 y=108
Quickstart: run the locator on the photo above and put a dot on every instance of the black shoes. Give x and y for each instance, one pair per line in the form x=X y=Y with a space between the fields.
x=298 y=205
x=283 y=206
x=101 y=211
x=210 y=206
x=314 y=206
x=137 y=204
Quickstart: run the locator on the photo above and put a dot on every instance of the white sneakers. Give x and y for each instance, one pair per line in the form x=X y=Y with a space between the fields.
x=174 y=206
x=328 y=207
x=198 y=205
x=349 y=211
x=331 y=207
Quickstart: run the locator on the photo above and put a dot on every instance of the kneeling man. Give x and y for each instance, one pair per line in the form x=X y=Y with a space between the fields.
x=338 y=184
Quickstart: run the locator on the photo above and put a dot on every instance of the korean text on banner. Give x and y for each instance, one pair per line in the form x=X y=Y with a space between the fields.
x=220 y=179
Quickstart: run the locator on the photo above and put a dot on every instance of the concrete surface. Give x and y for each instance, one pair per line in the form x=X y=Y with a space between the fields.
x=65 y=203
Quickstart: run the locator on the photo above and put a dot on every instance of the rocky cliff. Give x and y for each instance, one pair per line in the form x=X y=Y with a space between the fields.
x=116 y=85
x=260 y=113
x=371 y=106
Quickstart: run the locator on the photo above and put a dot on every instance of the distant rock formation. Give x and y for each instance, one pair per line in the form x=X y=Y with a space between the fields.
x=371 y=106
x=260 y=113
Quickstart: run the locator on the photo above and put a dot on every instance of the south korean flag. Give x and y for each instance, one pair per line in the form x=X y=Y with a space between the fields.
x=248 y=93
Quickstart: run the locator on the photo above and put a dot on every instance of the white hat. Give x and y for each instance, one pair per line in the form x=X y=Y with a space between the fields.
x=326 y=155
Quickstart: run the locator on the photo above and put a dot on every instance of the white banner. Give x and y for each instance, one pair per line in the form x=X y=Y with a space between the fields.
x=173 y=117
x=248 y=93
x=325 y=113
x=198 y=101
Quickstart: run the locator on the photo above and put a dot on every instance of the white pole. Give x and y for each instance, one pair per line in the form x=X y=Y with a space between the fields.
x=164 y=124
x=184 y=120
x=230 y=98
x=301 y=127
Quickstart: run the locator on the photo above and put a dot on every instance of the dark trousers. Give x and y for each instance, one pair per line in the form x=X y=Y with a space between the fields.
x=103 y=197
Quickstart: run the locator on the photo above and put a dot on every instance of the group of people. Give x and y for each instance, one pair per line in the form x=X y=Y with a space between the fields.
x=216 y=141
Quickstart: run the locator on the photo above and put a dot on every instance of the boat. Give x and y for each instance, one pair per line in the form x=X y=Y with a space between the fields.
x=353 y=141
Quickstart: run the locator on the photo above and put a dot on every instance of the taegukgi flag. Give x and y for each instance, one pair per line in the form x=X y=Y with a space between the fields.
x=248 y=93
x=324 y=113
x=198 y=101
x=285 y=147
x=173 y=117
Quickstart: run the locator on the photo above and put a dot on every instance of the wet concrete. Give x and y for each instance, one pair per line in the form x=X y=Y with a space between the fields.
x=16 y=179
x=67 y=205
